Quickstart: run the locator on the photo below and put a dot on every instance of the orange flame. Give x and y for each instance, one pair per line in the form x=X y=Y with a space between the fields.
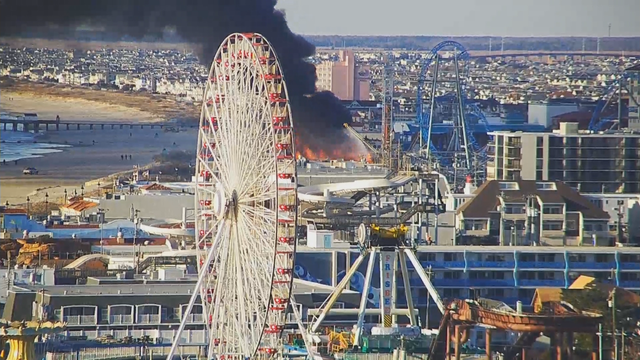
x=333 y=152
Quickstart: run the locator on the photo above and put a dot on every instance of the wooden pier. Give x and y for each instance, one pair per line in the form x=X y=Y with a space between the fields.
x=50 y=125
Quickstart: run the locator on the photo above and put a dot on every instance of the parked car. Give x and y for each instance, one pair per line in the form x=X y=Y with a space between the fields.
x=30 y=171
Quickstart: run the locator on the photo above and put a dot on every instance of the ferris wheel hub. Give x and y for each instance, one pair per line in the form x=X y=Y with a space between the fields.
x=219 y=203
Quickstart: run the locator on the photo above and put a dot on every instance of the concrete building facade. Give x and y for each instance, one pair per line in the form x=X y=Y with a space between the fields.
x=346 y=79
x=603 y=162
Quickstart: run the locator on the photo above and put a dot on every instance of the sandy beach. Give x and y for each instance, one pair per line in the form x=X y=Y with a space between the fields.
x=48 y=107
x=84 y=160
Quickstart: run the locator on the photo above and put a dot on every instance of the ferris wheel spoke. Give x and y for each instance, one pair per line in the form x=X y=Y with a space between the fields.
x=244 y=143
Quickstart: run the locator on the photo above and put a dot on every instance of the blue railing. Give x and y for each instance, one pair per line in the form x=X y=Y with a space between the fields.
x=628 y=284
x=575 y=265
x=541 y=265
x=629 y=266
x=443 y=264
x=492 y=282
x=492 y=264
x=450 y=282
x=542 y=283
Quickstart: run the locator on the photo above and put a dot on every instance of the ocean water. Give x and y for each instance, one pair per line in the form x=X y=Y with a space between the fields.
x=16 y=145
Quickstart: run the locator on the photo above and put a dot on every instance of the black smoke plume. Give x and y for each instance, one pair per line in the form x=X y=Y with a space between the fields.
x=206 y=23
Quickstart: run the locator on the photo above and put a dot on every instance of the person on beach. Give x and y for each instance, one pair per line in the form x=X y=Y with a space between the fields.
x=121 y=157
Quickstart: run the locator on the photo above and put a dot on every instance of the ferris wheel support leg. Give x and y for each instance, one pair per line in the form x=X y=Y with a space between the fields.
x=407 y=288
x=364 y=300
x=196 y=292
x=425 y=279
x=308 y=343
x=339 y=289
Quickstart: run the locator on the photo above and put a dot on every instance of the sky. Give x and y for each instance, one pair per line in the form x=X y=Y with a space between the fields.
x=589 y=18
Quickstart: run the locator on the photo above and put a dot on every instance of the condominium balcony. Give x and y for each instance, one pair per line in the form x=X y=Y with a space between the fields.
x=148 y=319
x=120 y=319
x=195 y=318
x=80 y=319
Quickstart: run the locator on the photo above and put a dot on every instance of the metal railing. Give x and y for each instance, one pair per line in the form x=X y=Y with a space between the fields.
x=80 y=319
x=195 y=318
x=120 y=319
x=148 y=319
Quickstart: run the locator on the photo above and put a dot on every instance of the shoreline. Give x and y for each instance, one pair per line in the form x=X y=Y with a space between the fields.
x=90 y=155
x=85 y=161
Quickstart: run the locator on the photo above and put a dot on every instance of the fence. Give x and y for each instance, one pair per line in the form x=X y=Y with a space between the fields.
x=117 y=352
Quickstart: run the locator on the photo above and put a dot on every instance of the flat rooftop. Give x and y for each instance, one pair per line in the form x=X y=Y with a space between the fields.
x=344 y=246
x=185 y=289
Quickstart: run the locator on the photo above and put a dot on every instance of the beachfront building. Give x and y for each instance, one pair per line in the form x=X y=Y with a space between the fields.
x=529 y=212
x=591 y=163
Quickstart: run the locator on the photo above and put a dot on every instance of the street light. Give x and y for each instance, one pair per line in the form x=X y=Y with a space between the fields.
x=28 y=208
x=65 y=196
x=46 y=203
x=82 y=190
x=102 y=213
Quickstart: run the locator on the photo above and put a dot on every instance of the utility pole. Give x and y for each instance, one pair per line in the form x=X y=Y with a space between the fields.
x=429 y=273
x=612 y=304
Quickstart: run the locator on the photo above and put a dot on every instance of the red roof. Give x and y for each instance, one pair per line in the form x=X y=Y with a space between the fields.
x=155 y=187
x=13 y=211
x=80 y=205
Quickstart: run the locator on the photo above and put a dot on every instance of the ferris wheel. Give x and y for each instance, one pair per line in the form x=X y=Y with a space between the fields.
x=246 y=202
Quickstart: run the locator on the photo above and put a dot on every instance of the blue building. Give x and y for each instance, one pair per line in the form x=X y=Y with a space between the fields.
x=13 y=220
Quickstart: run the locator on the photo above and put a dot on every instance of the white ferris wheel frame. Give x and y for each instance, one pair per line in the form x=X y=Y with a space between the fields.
x=246 y=195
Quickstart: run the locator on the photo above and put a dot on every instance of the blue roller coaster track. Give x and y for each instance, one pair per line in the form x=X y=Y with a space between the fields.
x=469 y=107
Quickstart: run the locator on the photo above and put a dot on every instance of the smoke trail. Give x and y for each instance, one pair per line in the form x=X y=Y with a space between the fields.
x=204 y=22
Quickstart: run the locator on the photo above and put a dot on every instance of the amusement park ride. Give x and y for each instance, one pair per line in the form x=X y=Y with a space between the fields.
x=248 y=201
x=247 y=211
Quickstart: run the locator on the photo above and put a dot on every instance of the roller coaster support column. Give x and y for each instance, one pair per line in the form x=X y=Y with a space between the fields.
x=194 y=296
x=432 y=108
x=338 y=290
x=364 y=300
x=425 y=279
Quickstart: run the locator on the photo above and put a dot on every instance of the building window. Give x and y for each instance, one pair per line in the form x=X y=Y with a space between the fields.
x=552 y=209
x=546 y=186
x=552 y=225
x=514 y=209
x=508 y=185
x=475 y=224
x=571 y=225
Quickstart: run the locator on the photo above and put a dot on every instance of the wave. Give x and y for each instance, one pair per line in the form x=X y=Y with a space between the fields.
x=17 y=145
